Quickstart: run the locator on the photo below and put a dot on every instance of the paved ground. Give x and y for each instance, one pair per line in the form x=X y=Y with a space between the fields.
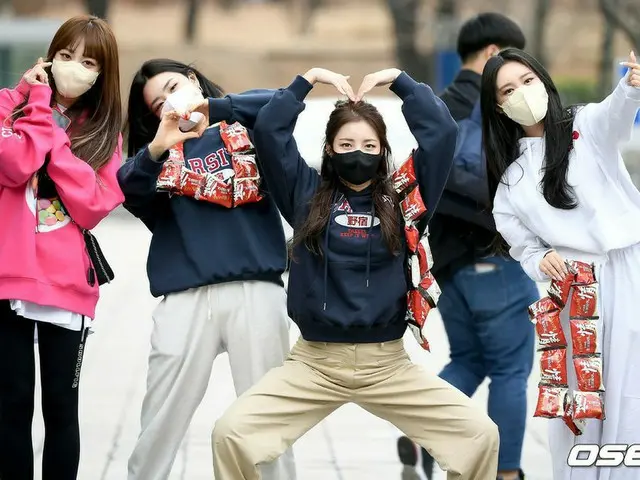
x=349 y=445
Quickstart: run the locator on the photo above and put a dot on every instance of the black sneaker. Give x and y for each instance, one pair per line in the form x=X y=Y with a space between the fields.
x=520 y=475
x=408 y=453
x=427 y=464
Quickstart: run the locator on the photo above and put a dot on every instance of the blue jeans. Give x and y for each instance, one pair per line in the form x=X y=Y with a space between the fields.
x=484 y=310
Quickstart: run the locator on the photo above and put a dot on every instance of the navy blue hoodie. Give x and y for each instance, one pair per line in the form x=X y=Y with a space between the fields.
x=196 y=243
x=356 y=292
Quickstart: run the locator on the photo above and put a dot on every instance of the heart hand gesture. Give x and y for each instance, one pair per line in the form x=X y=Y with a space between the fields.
x=633 y=77
x=341 y=82
x=383 y=77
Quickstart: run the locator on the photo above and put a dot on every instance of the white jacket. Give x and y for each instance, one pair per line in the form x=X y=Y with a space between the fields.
x=608 y=213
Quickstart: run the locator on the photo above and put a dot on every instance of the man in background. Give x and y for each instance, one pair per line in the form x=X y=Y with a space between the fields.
x=484 y=297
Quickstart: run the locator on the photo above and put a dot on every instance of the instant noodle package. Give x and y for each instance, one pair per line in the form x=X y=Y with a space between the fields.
x=241 y=188
x=424 y=291
x=577 y=295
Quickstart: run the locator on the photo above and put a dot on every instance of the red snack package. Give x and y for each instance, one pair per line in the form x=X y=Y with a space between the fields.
x=169 y=178
x=553 y=367
x=405 y=176
x=588 y=405
x=425 y=255
x=584 y=336
x=171 y=173
x=559 y=291
x=418 y=308
x=245 y=166
x=430 y=289
x=576 y=426
x=549 y=330
x=235 y=138
x=542 y=306
x=191 y=182
x=551 y=401
x=412 y=235
x=412 y=207
x=422 y=341
x=584 y=301
x=246 y=191
x=584 y=272
x=589 y=373
x=216 y=191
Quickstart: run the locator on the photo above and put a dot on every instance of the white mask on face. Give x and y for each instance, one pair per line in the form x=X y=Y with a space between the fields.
x=72 y=79
x=527 y=105
x=181 y=100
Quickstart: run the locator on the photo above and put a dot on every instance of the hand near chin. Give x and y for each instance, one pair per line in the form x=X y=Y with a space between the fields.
x=37 y=75
x=377 y=79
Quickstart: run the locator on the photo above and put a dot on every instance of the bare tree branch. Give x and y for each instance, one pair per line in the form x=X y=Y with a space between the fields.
x=541 y=13
x=624 y=15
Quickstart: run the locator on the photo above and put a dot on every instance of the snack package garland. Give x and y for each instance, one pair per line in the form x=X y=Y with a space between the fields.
x=578 y=293
x=242 y=187
x=424 y=291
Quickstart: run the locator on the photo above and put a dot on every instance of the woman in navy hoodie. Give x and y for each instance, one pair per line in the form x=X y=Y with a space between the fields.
x=217 y=253
x=349 y=284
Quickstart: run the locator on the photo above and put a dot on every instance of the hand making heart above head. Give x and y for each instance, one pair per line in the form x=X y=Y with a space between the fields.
x=341 y=82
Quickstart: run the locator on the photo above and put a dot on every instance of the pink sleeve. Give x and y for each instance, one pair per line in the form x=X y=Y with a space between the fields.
x=89 y=196
x=25 y=143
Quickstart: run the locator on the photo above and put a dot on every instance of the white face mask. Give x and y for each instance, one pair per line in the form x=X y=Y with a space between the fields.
x=181 y=100
x=72 y=79
x=527 y=105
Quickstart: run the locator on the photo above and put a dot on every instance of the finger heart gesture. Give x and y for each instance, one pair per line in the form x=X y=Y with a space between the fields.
x=37 y=75
x=633 y=77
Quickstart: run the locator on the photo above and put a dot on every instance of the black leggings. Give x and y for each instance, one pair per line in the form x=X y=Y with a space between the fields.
x=61 y=352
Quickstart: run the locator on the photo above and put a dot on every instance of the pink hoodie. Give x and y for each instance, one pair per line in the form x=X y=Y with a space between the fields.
x=42 y=253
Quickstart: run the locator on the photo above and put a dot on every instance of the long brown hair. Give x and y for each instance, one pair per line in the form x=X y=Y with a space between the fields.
x=95 y=137
x=385 y=199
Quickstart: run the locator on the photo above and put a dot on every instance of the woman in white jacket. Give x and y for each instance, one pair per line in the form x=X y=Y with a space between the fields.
x=561 y=192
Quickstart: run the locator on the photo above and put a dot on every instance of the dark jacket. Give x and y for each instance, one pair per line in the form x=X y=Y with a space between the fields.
x=196 y=243
x=356 y=292
x=461 y=228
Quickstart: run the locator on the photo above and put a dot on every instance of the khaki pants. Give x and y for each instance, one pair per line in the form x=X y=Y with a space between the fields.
x=317 y=378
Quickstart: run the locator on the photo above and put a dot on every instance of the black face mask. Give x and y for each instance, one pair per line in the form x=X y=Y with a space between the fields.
x=356 y=167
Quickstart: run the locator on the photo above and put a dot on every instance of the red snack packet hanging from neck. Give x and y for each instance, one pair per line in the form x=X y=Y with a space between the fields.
x=553 y=367
x=551 y=401
x=549 y=331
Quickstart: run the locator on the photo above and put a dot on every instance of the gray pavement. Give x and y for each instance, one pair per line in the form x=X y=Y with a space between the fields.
x=349 y=445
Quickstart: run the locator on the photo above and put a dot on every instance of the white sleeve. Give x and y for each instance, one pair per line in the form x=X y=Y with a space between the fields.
x=610 y=122
x=526 y=247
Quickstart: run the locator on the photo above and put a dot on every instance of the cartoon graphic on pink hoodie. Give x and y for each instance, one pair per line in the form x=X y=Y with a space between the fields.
x=43 y=258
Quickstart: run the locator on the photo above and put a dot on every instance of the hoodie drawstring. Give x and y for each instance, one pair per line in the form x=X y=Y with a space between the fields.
x=373 y=217
x=326 y=250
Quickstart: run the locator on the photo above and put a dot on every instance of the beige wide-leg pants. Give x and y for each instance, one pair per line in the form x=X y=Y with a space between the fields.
x=317 y=378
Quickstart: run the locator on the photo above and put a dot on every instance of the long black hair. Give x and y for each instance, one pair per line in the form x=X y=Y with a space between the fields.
x=385 y=199
x=142 y=124
x=501 y=134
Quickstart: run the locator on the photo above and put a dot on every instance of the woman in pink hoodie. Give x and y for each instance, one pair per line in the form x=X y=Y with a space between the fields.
x=60 y=149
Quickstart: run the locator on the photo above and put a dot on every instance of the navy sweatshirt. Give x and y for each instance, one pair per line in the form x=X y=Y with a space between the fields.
x=356 y=292
x=196 y=243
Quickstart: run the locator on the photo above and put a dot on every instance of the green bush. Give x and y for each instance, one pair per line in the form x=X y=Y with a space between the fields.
x=577 y=90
